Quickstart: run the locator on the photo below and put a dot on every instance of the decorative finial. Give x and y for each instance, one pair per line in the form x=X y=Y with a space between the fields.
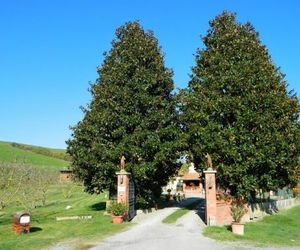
x=209 y=161
x=122 y=162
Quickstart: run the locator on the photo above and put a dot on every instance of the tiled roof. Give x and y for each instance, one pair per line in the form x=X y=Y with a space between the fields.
x=191 y=176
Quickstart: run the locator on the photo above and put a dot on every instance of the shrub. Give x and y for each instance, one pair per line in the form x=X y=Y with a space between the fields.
x=117 y=209
x=237 y=212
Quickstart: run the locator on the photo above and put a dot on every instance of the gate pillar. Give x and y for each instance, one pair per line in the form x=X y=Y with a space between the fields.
x=123 y=186
x=210 y=197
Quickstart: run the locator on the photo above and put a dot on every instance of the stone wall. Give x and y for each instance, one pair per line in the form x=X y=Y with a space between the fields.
x=259 y=210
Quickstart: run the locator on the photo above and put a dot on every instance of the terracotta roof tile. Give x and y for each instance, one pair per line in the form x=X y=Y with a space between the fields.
x=191 y=176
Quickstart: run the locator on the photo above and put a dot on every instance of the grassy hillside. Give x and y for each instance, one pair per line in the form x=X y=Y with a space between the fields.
x=51 y=149
x=46 y=230
x=46 y=199
x=8 y=153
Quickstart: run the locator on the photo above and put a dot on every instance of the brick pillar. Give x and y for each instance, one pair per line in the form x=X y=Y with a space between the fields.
x=210 y=197
x=123 y=186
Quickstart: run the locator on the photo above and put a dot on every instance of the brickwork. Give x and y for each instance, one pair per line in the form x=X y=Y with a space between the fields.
x=65 y=176
x=123 y=186
x=20 y=229
x=223 y=216
x=210 y=197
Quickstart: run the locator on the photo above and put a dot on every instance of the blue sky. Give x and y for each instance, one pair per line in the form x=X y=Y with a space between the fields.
x=49 y=51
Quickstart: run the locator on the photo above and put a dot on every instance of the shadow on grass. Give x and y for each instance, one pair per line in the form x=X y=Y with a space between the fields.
x=228 y=228
x=98 y=206
x=35 y=229
x=269 y=207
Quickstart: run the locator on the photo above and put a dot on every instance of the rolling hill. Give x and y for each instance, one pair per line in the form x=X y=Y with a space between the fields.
x=10 y=154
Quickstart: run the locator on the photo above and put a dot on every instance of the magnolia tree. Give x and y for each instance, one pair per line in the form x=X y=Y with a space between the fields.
x=132 y=114
x=237 y=108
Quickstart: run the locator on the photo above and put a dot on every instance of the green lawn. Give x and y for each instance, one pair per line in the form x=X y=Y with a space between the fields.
x=282 y=229
x=46 y=230
x=11 y=154
x=172 y=218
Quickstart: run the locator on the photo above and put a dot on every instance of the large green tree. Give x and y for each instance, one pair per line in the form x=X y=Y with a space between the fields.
x=132 y=113
x=237 y=109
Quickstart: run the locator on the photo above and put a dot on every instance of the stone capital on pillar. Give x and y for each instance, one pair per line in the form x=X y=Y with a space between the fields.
x=210 y=196
x=210 y=171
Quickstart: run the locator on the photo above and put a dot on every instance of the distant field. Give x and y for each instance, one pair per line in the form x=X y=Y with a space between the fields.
x=8 y=153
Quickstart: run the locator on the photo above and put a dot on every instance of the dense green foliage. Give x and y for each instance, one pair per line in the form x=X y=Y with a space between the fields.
x=238 y=110
x=59 y=154
x=132 y=113
x=282 y=229
x=10 y=154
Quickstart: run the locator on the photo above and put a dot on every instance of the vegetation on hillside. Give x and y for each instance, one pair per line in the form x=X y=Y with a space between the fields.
x=59 y=154
x=132 y=113
x=237 y=108
x=10 y=154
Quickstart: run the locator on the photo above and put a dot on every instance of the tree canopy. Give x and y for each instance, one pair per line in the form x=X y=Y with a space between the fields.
x=132 y=113
x=237 y=108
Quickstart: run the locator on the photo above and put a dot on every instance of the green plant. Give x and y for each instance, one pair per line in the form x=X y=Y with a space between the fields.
x=224 y=197
x=67 y=189
x=237 y=212
x=117 y=209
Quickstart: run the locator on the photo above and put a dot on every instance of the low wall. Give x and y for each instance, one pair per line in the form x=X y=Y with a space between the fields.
x=223 y=216
x=259 y=210
x=255 y=211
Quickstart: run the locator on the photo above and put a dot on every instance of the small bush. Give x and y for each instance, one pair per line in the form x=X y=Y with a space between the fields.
x=117 y=209
x=237 y=212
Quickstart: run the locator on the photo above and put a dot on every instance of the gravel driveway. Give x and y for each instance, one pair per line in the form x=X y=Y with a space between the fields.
x=149 y=233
